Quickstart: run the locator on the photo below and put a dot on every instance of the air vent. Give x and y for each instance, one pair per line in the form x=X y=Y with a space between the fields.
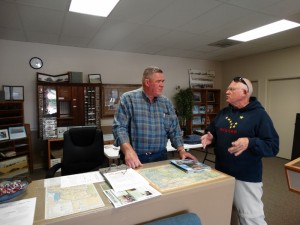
x=225 y=43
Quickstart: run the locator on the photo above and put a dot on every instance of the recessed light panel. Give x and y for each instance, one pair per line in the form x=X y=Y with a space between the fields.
x=93 y=7
x=266 y=30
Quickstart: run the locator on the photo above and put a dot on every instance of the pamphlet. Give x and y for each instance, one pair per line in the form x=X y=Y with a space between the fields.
x=126 y=197
x=190 y=166
x=122 y=180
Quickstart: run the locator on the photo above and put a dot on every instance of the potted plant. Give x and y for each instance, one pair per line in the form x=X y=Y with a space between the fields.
x=184 y=105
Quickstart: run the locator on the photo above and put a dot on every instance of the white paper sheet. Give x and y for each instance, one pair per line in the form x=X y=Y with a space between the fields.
x=18 y=212
x=74 y=180
x=125 y=179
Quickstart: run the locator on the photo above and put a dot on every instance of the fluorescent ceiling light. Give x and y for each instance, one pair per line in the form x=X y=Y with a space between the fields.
x=266 y=30
x=93 y=7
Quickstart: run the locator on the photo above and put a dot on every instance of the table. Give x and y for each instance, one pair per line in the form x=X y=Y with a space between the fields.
x=292 y=172
x=112 y=152
x=211 y=201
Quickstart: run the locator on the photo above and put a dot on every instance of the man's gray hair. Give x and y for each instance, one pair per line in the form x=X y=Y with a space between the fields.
x=151 y=70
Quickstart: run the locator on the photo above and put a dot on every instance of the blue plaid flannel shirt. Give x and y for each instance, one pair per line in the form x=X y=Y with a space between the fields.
x=146 y=126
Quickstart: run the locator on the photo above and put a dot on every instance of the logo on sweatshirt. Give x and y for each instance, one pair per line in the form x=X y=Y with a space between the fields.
x=232 y=125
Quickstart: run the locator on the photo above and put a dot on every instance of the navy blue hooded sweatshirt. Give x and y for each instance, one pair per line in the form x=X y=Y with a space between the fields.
x=253 y=122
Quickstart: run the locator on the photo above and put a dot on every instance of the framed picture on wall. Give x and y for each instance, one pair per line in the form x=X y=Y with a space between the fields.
x=95 y=78
x=7 y=92
x=111 y=96
x=61 y=78
x=17 y=93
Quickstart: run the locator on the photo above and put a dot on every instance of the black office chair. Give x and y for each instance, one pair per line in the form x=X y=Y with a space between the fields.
x=83 y=151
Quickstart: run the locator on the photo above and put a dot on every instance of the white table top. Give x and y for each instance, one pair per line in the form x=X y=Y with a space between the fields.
x=112 y=152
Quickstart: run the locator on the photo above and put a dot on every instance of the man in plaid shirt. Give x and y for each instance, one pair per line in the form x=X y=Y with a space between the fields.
x=145 y=120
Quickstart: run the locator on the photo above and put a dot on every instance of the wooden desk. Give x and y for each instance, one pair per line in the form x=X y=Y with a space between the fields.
x=292 y=172
x=212 y=201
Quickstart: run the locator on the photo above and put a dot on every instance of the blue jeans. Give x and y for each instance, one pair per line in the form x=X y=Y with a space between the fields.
x=153 y=157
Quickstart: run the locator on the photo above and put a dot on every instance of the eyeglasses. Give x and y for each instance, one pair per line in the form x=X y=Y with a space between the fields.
x=240 y=79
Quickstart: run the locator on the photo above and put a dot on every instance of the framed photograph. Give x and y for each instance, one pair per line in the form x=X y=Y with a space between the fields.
x=7 y=92
x=95 y=78
x=17 y=132
x=61 y=131
x=4 y=134
x=17 y=93
x=210 y=96
x=111 y=96
x=61 y=78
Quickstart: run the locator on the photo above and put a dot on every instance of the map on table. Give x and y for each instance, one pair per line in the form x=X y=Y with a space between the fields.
x=65 y=201
x=169 y=178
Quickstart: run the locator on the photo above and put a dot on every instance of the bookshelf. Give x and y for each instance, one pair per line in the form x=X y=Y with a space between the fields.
x=206 y=105
x=15 y=152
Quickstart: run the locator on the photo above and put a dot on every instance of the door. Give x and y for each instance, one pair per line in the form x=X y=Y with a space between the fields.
x=283 y=96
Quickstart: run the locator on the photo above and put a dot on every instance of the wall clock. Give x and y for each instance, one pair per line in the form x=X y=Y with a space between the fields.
x=36 y=63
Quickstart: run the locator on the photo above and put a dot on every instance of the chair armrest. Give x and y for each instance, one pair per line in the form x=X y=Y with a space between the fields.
x=51 y=172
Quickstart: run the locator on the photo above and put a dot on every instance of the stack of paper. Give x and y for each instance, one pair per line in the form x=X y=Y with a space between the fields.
x=128 y=187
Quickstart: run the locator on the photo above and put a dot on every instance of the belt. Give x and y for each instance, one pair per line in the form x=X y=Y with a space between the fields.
x=149 y=153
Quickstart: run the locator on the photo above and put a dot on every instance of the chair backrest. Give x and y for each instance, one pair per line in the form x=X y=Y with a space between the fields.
x=183 y=219
x=83 y=150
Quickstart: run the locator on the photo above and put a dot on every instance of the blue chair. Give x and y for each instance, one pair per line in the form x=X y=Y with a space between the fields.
x=183 y=219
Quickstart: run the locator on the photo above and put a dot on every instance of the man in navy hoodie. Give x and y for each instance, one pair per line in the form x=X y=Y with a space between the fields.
x=242 y=134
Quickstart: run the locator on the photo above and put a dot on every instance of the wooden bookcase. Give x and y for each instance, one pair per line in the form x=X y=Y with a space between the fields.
x=14 y=151
x=66 y=105
x=206 y=106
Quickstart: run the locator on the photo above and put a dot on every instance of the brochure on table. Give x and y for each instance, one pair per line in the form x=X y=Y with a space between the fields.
x=126 y=179
x=126 y=186
x=129 y=196
x=190 y=166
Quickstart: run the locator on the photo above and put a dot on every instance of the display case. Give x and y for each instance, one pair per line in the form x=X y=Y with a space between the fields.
x=205 y=108
x=67 y=105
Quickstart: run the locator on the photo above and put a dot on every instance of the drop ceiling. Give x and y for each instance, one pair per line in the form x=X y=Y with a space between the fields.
x=176 y=28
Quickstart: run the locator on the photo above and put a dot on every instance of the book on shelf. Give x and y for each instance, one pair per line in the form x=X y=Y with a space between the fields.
x=190 y=166
x=197 y=120
x=195 y=109
x=201 y=109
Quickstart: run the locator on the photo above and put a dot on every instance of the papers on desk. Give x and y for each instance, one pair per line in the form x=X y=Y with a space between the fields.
x=122 y=180
x=128 y=187
x=74 y=180
x=130 y=196
x=18 y=212
x=65 y=201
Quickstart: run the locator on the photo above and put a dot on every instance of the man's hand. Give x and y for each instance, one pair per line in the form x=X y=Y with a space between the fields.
x=239 y=146
x=131 y=158
x=184 y=155
x=206 y=139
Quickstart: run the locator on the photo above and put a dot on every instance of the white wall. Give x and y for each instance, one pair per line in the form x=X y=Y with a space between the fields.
x=281 y=65
x=115 y=68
